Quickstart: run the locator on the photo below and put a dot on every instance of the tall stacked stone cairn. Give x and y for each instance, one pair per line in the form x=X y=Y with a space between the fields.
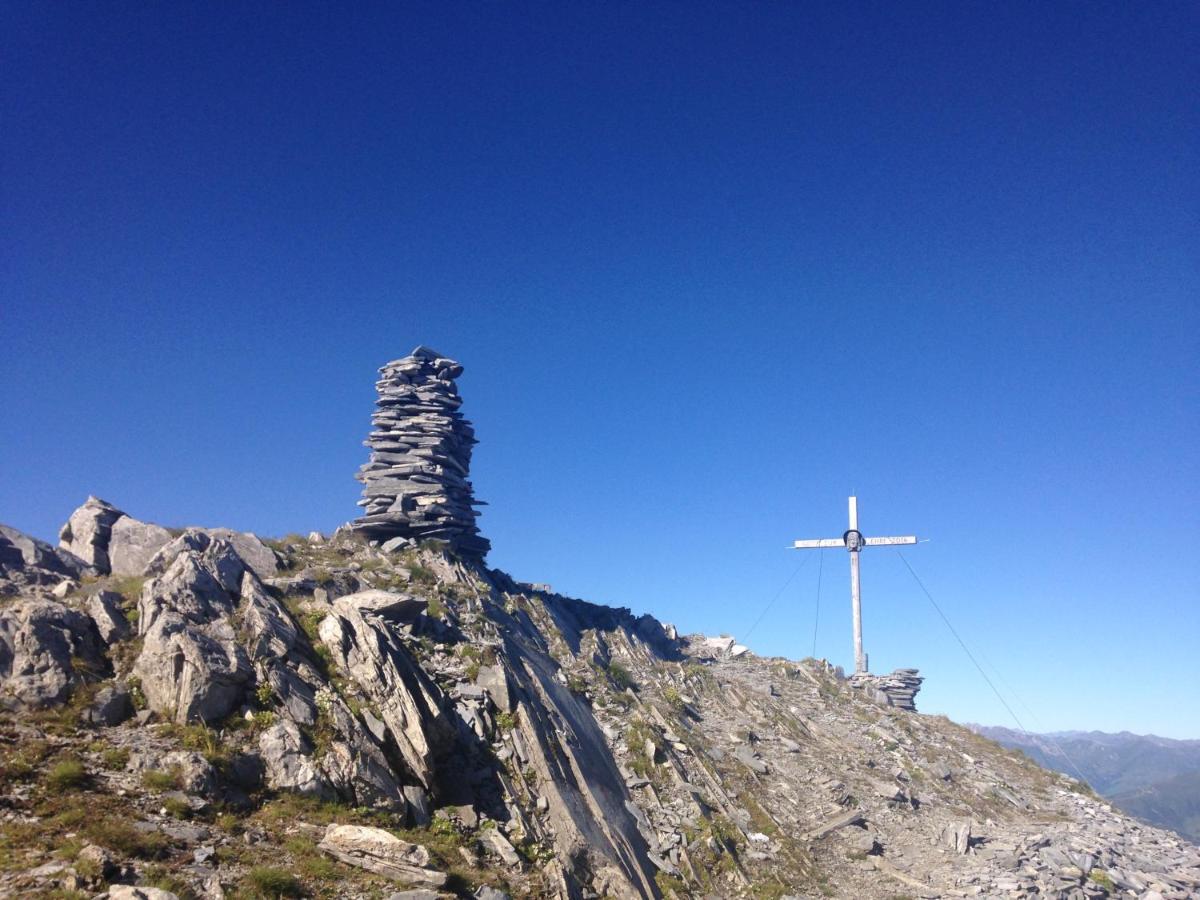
x=415 y=484
x=899 y=689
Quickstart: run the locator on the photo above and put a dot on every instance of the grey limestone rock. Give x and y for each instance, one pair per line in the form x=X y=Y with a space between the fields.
x=131 y=892
x=111 y=706
x=288 y=762
x=257 y=555
x=132 y=544
x=104 y=607
x=381 y=852
x=42 y=644
x=190 y=672
x=87 y=532
x=21 y=550
x=391 y=606
x=415 y=484
x=497 y=844
x=409 y=703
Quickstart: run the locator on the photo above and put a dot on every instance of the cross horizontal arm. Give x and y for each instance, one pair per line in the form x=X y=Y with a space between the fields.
x=819 y=542
x=888 y=541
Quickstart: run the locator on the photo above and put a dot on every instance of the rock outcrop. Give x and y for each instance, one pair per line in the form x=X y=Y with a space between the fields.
x=551 y=746
x=415 y=486
x=46 y=651
x=88 y=530
x=113 y=542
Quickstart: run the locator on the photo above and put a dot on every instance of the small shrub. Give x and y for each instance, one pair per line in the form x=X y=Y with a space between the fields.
x=264 y=881
x=1102 y=878
x=506 y=721
x=66 y=774
x=154 y=780
x=620 y=676
x=121 y=836
x=421 y=574
x=115 y=758
x=264 y=694
x=177 y=808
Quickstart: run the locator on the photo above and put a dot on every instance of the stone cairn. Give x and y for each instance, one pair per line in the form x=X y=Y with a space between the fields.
x=415 y=484
x=898 y=689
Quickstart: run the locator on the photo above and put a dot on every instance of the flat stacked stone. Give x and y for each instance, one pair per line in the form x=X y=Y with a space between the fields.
x=415 y=485
x=899 y=689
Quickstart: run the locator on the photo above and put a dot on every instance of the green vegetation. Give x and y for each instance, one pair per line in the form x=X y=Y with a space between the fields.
x=1101 y=878
x=620 y=676
x=271 y=883
x=506 y=721
x=66 y=774
x=114 y=758
x=157 y=781
x=177 y=807
x=119 y=835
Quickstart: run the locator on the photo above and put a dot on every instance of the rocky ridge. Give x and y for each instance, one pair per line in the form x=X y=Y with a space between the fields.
x=351 y=721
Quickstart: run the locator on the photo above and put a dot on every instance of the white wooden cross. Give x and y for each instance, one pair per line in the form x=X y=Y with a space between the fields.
x=853 y=541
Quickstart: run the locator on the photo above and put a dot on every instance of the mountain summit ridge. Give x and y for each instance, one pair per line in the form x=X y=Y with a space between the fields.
x=201 y=713
x=532 y=743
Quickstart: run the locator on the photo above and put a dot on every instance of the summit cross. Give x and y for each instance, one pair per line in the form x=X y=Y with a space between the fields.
x=854 y=541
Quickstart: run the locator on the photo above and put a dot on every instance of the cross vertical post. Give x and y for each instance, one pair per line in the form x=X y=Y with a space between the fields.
x=854 y=542
x=853 y=538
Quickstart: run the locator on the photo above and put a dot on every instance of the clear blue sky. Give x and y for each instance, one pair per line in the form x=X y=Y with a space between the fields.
x=710 y=267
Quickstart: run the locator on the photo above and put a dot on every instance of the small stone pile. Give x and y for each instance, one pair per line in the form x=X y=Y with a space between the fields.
x=415 y=484
x=898 y=689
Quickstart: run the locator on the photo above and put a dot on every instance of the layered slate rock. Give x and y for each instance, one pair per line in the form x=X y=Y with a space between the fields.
x=899 y=689
x=415 y=484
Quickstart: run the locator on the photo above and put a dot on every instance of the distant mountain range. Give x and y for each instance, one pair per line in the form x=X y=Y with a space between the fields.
x=1156 y=779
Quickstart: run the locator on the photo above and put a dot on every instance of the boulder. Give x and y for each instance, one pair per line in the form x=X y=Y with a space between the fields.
x=105 y=610
x=194 y=587
x=191 y=674
x=257 y=555
x=392 y=606
x=493 y=680
x=37 y=554
x=288 y=763
x=46 y=649
x=131 y=892
x=132 y=544
x=498 y=845
x=381 y=852
x=111 y=706
x=87 y=532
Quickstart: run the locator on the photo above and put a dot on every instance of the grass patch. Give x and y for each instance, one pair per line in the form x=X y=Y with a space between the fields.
x=157 y=876
x=1102 y=878
x=271 y=883
x=310 y=862
x=620 y=676
x=158 y=781
x=177 y=808
x=119 y=835
x=67 y=775
x=114 y=758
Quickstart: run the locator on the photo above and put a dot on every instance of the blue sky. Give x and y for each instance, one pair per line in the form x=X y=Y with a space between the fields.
x=710 y=268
